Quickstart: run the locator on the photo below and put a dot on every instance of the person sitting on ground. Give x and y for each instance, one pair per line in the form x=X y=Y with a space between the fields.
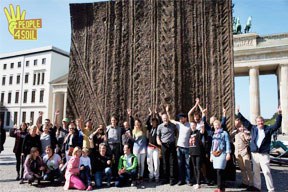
x=33 y=166
x=127 y=167
x=30 y=140
x=53 y=162
x=85 y=169
x=73 y=171
x=101 y=166
x=260 y=148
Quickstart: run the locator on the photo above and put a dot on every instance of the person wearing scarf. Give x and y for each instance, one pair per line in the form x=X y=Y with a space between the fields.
x=220 y=153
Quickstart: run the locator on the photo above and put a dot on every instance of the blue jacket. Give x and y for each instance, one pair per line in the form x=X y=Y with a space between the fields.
x=269 y=130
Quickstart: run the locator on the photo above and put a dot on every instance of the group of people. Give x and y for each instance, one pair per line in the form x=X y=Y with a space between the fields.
x=77 y=153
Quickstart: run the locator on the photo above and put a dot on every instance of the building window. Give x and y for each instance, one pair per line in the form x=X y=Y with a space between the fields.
x=26 y=78
x=18 y=79
x=43 y=77
x=43 y=61
x=32 y=117
x=5 y=66
x=33 y=96
x=8 y=118
x=38 y=80
x=27 y=63
x=17 y=97
x=3 y=80
x=34 y=79
x=41 y=96
x=19 y=64
x=15 y=118
x=23 y=116
x=11 y=65
x=10 y=80
x=35 y=62
x=25 y=97
x=2 y=98
x=9 y=97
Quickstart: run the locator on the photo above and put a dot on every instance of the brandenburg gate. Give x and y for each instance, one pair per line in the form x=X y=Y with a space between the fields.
x=256 y=55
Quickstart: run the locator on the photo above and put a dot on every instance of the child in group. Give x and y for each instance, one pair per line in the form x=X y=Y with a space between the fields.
x=220 y=153
x=196 y=149
x=72 y=171
x=85 y=168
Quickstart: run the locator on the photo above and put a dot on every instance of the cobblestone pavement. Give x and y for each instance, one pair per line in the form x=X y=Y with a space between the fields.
x=8 y=175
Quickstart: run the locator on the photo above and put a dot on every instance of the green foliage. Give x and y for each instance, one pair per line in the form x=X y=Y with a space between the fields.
x=271 y=121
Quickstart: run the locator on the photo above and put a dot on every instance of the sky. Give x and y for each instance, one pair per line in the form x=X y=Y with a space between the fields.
x=268 y=17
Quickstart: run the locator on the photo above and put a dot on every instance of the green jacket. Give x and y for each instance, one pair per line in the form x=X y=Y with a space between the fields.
x=123 y=163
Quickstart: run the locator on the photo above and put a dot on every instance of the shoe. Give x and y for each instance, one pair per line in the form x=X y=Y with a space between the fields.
x=196 y=186
x=21 y=181
x=217 y=190
x=108 y=184
x=142 y=187
x=242 y=185
x=252 y=188
x=211 y=183
x=172 y=182
x=133 y=184
x=157 y=181
x=18 y=178
x=180 y=183
x=190 y=184
x=89 y=188
x=164 y=182
x=206 y=181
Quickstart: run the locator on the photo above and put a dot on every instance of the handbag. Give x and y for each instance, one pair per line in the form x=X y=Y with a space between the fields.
x=216 y=153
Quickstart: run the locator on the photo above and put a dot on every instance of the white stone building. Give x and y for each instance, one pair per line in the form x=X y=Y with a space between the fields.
x=25 y=87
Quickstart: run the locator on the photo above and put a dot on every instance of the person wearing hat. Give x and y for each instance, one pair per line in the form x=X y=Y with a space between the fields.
x=183 y=127
x=60 y=132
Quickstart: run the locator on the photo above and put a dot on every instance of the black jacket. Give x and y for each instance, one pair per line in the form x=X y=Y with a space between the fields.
x=30 y=142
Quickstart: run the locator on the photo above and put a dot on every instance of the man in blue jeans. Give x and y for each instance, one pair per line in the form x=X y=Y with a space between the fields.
x=184 y=131
x=102 y=166
x=127 y=167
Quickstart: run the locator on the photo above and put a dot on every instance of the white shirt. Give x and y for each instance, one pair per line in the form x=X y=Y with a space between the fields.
x=85 y=161
x=261 y=136
x=184 y=134
x=198 y=126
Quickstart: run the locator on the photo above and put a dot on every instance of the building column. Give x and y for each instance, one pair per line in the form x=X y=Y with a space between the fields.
x=53 y=107
x=65 y=104
x=283 y=93
x=254 y=94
